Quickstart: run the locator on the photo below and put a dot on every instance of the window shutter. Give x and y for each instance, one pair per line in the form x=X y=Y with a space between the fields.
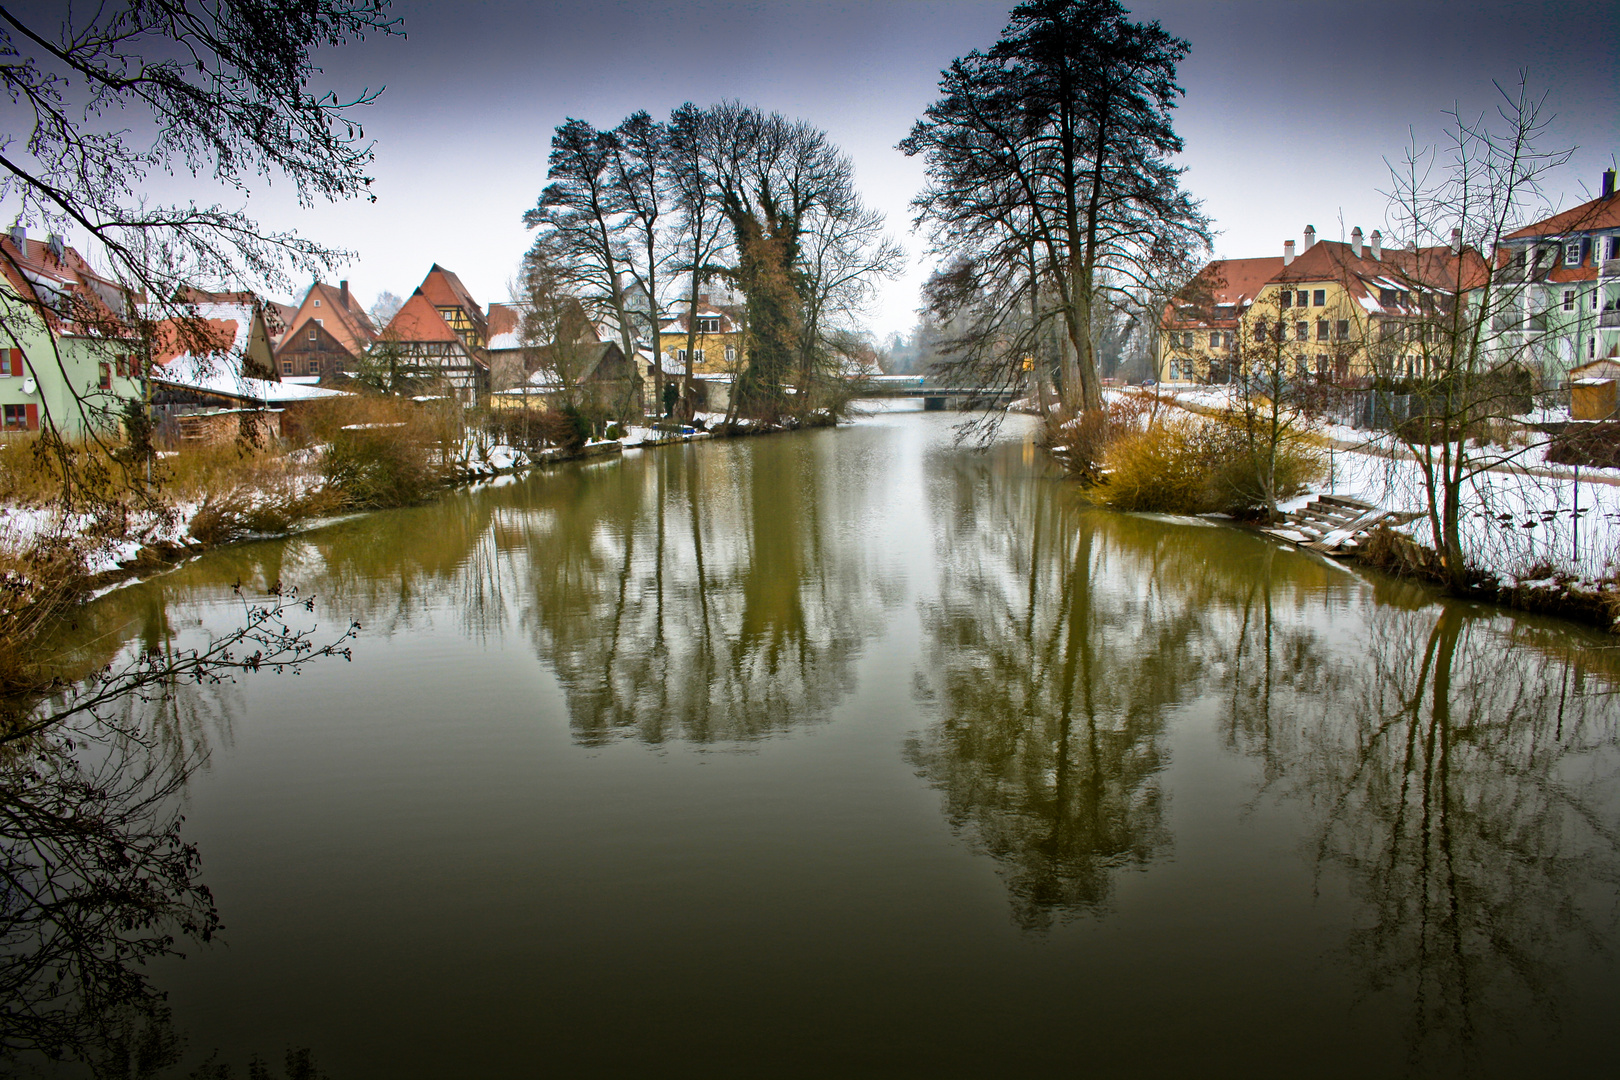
x=33 y=417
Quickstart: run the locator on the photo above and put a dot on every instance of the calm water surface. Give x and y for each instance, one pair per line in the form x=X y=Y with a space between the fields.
x=855 y=752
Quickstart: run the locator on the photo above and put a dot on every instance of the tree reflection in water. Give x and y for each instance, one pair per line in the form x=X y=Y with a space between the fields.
x=1462 y=776
x=95 y=879
x=703 y=596
x=1457 y=768
x=1052 y=655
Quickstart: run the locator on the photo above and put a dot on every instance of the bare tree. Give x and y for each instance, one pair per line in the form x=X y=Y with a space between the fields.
x=1471 y=345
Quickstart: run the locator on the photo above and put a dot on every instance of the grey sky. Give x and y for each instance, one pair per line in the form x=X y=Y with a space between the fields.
x=1291 y=107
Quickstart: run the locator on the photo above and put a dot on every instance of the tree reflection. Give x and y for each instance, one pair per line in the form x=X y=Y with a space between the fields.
x=1464 y=783
x=700 y=597
x=95 y=879
x=1049 y=742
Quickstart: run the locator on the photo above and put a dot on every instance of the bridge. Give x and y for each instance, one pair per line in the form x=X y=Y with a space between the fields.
x=936 y=397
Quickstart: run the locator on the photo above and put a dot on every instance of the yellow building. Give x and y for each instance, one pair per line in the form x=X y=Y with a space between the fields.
x=1342 y=313
x=718 y=345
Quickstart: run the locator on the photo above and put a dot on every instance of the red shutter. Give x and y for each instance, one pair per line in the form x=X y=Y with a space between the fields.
x=33 y=417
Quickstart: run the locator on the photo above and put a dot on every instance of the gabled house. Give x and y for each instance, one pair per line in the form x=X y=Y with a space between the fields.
x=67 y=359
x=326 y=336
x=717 y=346
x=429 y=351
x=1567 y=268
x=1347 y=311
x=220 y=360
x=455 y=305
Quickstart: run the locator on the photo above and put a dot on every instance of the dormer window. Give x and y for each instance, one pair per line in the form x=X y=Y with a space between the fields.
x=1572 y=253
x=708 y=324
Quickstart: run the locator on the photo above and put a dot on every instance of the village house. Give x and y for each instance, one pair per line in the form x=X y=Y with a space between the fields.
x=1567 y=270
x=65 y=361
x=1347 y=311
x=215 y=373
x=325 y=337
x=440 y=338
x=716 y=347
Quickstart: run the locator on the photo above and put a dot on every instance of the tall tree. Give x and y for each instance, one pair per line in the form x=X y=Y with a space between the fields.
x=1057 y=144
x=645 y=194
x=699 y=235
x=580 y=216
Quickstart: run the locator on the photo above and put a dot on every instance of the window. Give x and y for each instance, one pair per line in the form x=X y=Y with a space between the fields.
x=1319 y=298
x=104 y=374
x=1518 y=258
x=11 y=362
x=1214 y=339
x=317 y=301
x=1321 y=329
x=1572 y=253
x=1260 y=330
x=1342 y=330
x=1569 y=299
x=1287 y=299
x=1613 y=248
x=731 y=354
x=1406 y=298
x=1594 y=300
x=286 y=367
x=1386 y=297
x=1591 y=348
x=16 y=418
x=1321 y=365
x=314 y=366
x=708 y=324
x=1302 y=331
x=680 y=356
x=697 y=356
x=313 y=333
x=1301 y=298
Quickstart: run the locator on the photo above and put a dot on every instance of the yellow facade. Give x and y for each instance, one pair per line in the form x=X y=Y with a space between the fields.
x=1337 y=329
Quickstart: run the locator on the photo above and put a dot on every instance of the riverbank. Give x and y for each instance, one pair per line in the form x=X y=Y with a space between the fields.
x=1540 y=537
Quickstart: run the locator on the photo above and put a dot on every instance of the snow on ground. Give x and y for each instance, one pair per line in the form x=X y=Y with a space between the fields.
x=1515 y=522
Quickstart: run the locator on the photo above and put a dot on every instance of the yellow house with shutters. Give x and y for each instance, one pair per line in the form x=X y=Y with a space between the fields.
x=1343 y=313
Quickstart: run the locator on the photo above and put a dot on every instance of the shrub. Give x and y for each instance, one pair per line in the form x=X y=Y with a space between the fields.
x=1185 y=464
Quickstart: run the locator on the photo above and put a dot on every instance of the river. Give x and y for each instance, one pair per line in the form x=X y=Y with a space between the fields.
x=860 y=752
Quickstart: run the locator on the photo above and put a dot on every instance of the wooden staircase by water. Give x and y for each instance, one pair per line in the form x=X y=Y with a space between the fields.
x=1335 y=524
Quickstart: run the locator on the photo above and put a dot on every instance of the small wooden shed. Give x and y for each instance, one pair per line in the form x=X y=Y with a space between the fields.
x=1594 y=390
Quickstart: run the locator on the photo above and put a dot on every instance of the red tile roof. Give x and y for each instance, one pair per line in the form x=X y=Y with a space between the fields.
x=443 y=289
x=419 y=320
x=1596 y=214
x=94 y=295
x=349 y=324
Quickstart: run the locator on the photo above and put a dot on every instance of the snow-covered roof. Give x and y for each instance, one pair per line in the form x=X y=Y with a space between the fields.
x=217 y=375
x=508 y=340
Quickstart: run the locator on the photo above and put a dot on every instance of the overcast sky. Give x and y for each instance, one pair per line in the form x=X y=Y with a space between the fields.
x=1290 y=108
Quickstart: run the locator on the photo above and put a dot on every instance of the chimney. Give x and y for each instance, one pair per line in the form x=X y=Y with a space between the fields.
x=1608 y=183
x=1456 y=241
x=1355 y=241
x=19 y=240
x=1288 y=252
x=1377 y=239
x=57 y=246
x=343 y=292
x=1310 y=237
x=703 y=299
